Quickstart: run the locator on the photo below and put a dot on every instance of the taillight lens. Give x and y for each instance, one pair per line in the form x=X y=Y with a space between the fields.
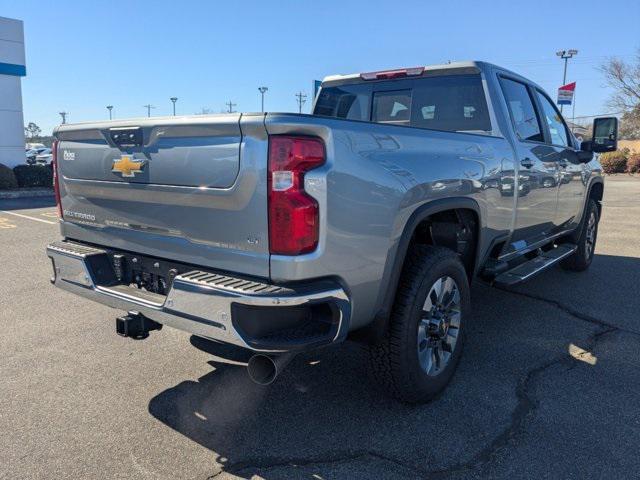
x=56 y=182
x=293 y=214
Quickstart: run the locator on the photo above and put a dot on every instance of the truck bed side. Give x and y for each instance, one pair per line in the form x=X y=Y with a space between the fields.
x=375 y=177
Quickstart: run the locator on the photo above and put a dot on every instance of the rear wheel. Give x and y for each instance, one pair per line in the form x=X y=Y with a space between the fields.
x=583 y=256
x=422 y=347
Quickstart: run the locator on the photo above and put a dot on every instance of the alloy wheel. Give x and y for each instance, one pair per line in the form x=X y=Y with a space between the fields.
x=439 y=325
x=590 y=237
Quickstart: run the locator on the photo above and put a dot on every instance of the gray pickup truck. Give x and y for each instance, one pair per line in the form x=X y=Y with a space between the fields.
x=369 y=219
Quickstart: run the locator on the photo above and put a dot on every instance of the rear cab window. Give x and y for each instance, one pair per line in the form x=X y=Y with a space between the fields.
x=452 y=103
x=392 y=107
x=350 y=102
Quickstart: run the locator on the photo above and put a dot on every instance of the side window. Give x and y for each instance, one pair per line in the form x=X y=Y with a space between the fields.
x=550 y=115
x=454 y=103
x=392 y=107
x=522 y=111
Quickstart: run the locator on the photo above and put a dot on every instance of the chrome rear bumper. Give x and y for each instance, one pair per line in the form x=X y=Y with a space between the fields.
x=199 y=302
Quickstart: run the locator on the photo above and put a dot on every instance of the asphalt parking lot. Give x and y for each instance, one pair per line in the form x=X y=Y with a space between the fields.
x=548 y=386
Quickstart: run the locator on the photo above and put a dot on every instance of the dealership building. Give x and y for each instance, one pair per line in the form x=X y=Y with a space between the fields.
x=12 y=69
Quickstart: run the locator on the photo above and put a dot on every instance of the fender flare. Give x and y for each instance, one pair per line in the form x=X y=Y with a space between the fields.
x=396 y=258
x=594 y=181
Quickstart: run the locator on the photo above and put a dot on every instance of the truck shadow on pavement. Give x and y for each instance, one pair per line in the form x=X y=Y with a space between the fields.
x=324 y=412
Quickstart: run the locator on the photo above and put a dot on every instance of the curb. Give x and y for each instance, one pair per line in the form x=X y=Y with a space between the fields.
x=35 y=192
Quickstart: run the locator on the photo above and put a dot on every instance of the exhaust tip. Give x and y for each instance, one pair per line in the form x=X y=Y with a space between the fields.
x=262 y=369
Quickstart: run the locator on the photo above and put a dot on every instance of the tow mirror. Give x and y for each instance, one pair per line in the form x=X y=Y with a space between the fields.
x=585 y=155
x=605 y=135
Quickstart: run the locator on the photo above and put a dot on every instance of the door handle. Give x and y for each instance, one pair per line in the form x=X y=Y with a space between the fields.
x=526 y=162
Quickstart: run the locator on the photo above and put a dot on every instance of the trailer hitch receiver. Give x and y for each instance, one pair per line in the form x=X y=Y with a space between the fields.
x=136 y=326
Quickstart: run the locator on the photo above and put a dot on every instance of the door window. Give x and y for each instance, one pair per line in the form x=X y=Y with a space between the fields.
x=523 y=113
x=557 y=129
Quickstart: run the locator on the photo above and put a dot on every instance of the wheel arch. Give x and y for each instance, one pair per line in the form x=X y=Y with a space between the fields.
x=396 y=257
x=596 y=191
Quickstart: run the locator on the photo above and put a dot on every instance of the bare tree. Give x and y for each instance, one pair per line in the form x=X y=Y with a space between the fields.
x=32 y=131
x=624 y=79
x=630 y=125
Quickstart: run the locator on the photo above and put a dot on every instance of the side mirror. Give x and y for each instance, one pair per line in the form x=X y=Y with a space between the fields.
x=605 y=135
x=585 y=154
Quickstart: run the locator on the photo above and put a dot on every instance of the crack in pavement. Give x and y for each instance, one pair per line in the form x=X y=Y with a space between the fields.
x=522 y=414
x=570 y=310
x=336 y=458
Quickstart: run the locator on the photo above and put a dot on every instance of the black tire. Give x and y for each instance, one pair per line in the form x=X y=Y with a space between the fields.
x=394 y=362
x=583 y=256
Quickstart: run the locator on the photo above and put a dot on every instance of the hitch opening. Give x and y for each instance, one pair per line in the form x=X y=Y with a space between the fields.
x=135 y=325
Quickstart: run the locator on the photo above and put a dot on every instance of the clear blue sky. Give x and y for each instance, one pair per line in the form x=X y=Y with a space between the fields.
x=84 y=55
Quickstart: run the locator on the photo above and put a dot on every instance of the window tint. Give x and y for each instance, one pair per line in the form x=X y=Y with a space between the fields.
x=451 y=103
x=556 y=126
x=392 y=107
x=350 y=102
x=521 y=109
x=445 y=102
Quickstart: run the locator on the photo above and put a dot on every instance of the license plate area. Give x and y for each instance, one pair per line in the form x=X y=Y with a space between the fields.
x=145 y=273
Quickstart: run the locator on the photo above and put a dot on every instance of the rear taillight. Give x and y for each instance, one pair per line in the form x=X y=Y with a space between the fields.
x=293 y=214
x=56 y=182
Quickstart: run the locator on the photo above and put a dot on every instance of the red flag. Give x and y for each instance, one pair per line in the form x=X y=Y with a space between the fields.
x=569 y=86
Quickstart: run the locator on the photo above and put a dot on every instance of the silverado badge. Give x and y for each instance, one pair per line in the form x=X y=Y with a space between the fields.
x=127 y=166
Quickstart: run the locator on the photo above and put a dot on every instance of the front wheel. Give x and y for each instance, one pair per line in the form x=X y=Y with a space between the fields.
x=424 y=341
x=583 y=256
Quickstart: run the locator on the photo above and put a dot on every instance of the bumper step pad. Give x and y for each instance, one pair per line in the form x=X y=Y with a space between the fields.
x=224 y=282
x=77 y=250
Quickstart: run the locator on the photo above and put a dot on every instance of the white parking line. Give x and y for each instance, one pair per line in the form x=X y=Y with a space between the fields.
x=30 y=218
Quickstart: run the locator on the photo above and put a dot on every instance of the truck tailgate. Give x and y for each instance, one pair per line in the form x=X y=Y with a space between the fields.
x=189 y=189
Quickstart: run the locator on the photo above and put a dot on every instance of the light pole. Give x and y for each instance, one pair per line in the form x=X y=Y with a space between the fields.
x=174 y=100
x=565 y=55
x=148 y=107
x=64 y=117
x=110 y=108
x=262 y=90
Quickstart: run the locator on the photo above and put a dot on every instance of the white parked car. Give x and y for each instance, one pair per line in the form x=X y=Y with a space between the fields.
x=33 y=153
x=44 y=157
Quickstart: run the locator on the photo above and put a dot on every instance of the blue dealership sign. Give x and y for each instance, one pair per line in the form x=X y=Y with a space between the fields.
x=12 y=69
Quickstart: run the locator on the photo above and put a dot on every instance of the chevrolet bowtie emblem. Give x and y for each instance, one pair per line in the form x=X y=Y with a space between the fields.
x=127 y=166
